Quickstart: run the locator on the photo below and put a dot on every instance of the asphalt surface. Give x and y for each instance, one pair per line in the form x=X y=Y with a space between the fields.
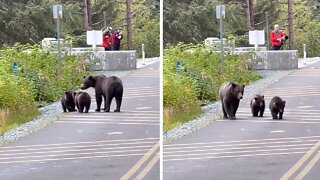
x=257 y=148
x=97 y=145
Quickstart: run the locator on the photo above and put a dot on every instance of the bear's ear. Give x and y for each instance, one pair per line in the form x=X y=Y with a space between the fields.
x=90 y=77
x=84 y=77
x=284 y=102
x=243 y=85
x=66 y=92
x=255 y=98
x=74 y=94
x=262 y=96
x=233 y=84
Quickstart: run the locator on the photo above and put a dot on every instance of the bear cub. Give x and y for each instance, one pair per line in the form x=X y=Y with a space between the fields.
x=67 y=101
x=83 y=101
x=277 y=106
x=230 y=94
x=257 y=105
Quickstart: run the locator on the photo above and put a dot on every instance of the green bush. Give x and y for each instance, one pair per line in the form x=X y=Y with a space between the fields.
x=199 y=79
x=38 y=81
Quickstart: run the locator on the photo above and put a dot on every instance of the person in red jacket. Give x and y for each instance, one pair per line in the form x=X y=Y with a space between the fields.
x=277 y=38
x=107 y=39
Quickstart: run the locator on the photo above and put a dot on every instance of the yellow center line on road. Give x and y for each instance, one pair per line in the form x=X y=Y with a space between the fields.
x=308 y=167
x=140 y=162
x=304 y=158
x=146 y=170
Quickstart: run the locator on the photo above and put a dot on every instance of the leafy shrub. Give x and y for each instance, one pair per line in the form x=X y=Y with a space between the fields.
x=38 y=81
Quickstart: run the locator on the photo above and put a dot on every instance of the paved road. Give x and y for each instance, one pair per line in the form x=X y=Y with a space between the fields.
x=95 y=146
x=257 y=148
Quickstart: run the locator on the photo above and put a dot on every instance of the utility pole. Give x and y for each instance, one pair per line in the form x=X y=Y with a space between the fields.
x=290 y=22
x=267 y=30
x=129 y=25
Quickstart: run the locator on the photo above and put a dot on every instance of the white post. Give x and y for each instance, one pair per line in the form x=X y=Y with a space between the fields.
x=257 y=40
x=143 y=55
x=304 y=54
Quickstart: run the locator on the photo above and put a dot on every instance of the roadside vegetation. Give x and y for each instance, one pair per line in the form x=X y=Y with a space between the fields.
x=198 y=80
x=36 y=82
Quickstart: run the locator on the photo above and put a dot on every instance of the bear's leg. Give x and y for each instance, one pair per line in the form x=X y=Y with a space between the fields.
x=87 y=108
x=99 y=100
x=225 y=116
x=233 y=109
x=254 y=112
x=280 y=115
x=274 y=114
x=104 y=98
x=229 y=110
x=64 y=108
x=118 y=101
x=261 y=112
x=108 y=103
x=81 y=107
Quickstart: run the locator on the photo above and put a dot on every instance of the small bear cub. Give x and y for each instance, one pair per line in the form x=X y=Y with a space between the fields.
x=277 y=106
x=257 y=105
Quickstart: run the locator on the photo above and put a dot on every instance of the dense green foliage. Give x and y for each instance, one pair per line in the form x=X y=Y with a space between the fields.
x=191 y=21
x=37 y=81
x=31 y=21
x=199 y=78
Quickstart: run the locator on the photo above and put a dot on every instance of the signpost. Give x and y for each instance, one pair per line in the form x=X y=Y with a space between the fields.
x=14 y=64
x=57 y=14
x=178 y=67
x=220 y=14
x=143 y=55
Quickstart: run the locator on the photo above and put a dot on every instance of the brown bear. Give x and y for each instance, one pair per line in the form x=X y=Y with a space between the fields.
x=257 y=105
x=277 y=106
x=230 y=94
x=106 y=87
x=67 y=101
x=82 y=101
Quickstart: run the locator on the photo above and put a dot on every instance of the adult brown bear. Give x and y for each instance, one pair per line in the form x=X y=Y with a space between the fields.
x=106 y=87
x=230 y=94
x=83 y=101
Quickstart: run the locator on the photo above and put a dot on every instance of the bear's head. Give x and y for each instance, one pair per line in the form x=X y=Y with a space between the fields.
x=259 y=100
x=88 y=82
x=280 y=105
x=237 y=90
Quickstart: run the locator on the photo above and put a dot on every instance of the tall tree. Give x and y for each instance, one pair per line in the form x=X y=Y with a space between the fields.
x=290 y=23
x=87 y=14
x=129 y=25
x=249 y=12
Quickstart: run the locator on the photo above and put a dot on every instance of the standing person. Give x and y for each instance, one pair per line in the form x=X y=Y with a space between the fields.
x=277 y=38
x=117 y=36
x=107 y=39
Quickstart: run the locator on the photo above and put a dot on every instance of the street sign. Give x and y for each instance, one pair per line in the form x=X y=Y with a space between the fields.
x=57 y=11
x=220 y=11
x=15 y=65
x=256 y=37
x=94 y=38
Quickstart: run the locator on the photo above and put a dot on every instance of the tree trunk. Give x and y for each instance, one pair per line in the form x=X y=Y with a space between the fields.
x=87 y=15
x=290 y=22
x=129 y=25
x=249 y=13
